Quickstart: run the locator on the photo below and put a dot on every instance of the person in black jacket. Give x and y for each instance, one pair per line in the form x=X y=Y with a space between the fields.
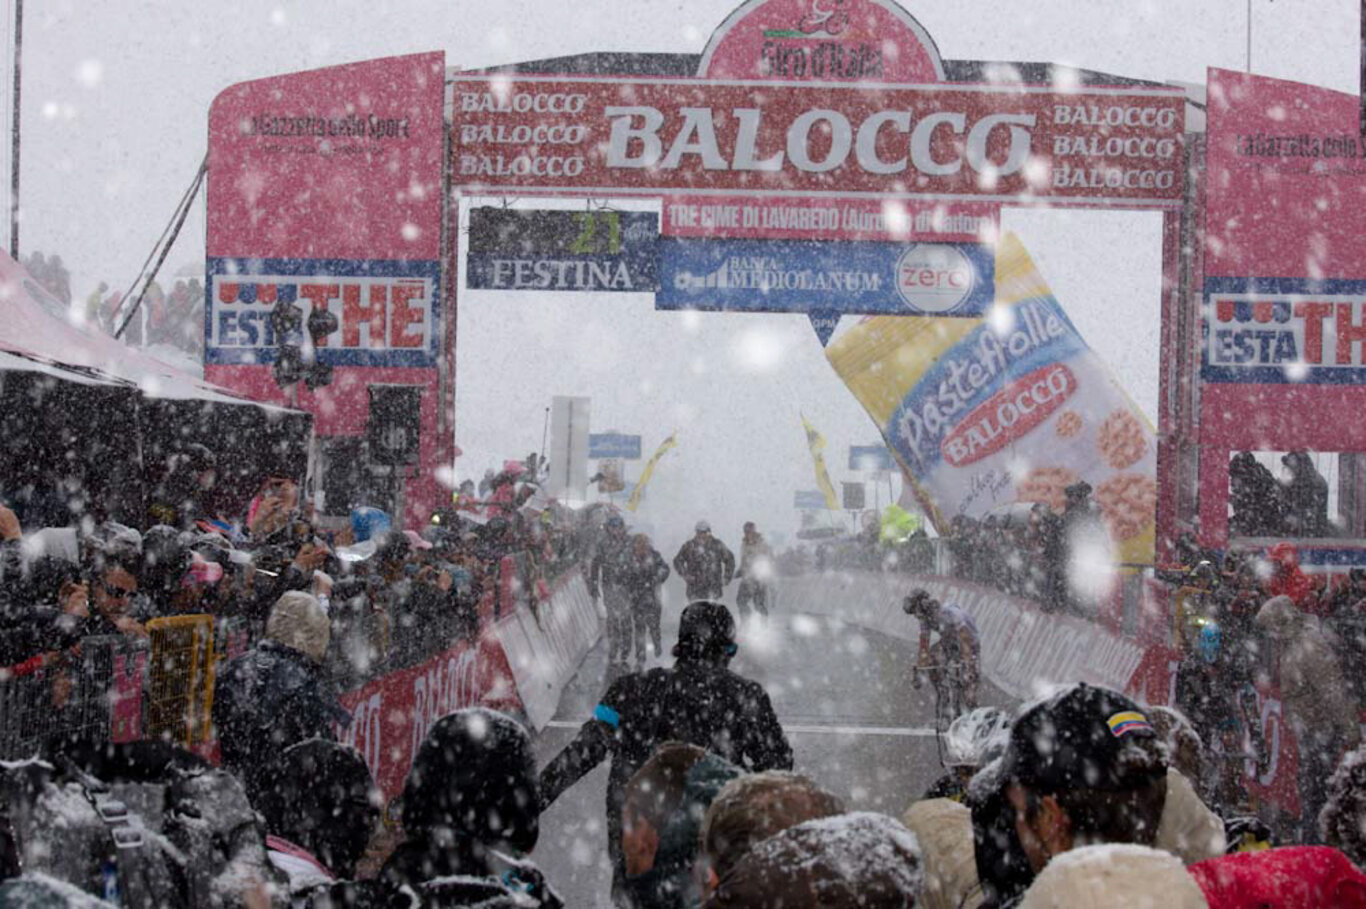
x=645 y=570
x=275 y=695
x=698 y=701
x=605 y=580
x=705 y=564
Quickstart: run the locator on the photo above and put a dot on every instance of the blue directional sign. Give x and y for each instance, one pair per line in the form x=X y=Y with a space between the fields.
x=836 y=276
x=613 y=445
x=809 y=500
x=870 y=457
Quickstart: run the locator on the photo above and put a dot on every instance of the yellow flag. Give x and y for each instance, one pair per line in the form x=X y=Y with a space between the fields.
x=664 y=446
x=816 y=442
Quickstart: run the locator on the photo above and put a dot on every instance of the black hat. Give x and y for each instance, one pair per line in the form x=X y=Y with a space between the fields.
x=1084 y=738
x=705 y=629
x=475 y=774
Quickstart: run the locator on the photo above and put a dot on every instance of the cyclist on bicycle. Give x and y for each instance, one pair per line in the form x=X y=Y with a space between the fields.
x=957 y=654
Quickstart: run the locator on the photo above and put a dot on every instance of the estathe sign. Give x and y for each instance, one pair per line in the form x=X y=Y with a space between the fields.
x=1285 y=330
x=985 y=142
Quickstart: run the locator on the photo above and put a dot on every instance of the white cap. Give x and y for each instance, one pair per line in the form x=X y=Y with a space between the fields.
x=702 y=527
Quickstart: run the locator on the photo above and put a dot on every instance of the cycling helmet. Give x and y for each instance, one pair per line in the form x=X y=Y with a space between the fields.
x=977 y=737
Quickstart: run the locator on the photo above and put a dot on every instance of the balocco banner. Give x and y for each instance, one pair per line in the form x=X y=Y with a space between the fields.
x=984 y=414
x=1002 y=143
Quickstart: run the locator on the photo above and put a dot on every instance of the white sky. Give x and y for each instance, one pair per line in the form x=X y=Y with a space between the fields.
x=116 y=95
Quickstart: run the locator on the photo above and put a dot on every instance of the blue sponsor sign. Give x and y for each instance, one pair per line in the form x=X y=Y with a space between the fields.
x=388 y=310
x=870 y=457
x=833 y=276
x=1279 y=330
x=809 y=500
x=514 y=249
x=613 y=445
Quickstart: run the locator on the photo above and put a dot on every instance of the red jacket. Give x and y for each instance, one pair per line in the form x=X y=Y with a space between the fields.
x=1289 y=580
x=1293 y=877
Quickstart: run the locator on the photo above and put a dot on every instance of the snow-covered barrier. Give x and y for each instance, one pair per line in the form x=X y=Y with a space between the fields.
x=545 y=648
x=1022 y=646
x=521 y=663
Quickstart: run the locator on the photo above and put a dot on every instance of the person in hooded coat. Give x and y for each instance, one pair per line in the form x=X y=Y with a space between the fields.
x=849 y=861
x=275 y=695
x=1317 y=700
x=470 y=815
x=698 y=701
x=320 y=812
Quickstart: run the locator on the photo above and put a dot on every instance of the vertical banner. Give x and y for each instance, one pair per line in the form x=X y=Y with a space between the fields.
x=1013 y=408
x=325 y=195
x=1283 y=352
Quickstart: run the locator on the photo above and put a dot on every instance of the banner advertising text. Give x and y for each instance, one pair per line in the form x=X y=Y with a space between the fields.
x=387 y=312
x=1015 y=408
x=840 y=277
x=512 y=249
x=990 y=143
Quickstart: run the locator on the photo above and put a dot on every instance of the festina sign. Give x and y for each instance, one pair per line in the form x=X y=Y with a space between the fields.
x=1118 y=146
x=513 y=249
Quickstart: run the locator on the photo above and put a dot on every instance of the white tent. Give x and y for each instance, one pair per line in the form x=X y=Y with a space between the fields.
x=33 y=321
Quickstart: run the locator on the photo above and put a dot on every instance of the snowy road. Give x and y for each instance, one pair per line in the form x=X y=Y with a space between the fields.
x=843 y=695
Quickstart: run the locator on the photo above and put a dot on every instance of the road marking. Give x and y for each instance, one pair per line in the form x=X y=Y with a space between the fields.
x=809 y=729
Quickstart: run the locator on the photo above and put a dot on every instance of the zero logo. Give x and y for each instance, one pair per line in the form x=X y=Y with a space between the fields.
x=934 y=277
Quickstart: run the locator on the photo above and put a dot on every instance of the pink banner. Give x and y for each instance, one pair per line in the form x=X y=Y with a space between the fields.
x=829 y=219
x=335 y=163
x=1283 y=358
x=991 y=143
x=1286 y=166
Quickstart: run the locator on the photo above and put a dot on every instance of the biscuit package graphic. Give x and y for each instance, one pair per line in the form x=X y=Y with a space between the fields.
x=986 y=413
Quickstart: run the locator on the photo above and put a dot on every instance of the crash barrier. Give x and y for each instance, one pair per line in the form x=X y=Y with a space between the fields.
x=520 y=666
x=546 y=645
x=1023 y=647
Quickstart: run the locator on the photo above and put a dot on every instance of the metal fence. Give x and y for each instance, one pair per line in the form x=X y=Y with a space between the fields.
x=118 y=688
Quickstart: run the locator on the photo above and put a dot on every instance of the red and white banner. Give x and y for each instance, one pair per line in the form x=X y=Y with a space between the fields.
x=1120 y=146
x=390 y=716
x=782 y=218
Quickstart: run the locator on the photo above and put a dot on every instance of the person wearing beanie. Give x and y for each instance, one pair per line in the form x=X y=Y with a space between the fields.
x=705 y=564
x=276 y=694
x=848 y=861
x=697 y=701
x=471 y=809
x=1121 y=876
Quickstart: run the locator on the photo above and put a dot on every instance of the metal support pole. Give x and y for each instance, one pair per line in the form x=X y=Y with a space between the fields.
x=14 y=134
